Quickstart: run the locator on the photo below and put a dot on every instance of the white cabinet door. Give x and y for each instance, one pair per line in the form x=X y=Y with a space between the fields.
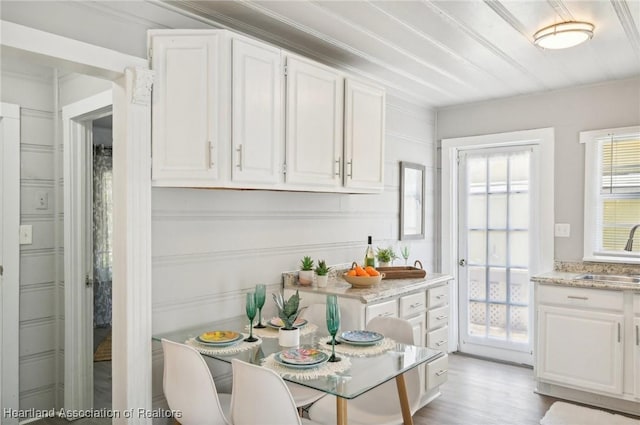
x=363 y=136
x=189 y=122
x=418 y=324
x=314 y=111
x=580 y=348
x=257 y=138
x=636 y=355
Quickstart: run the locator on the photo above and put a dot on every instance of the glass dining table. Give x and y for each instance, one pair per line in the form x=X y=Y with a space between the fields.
x=363 y=374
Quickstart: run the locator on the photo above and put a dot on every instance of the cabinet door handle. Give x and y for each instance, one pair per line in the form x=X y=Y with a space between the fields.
x=439 y=297
x=211 y=162
x=638 y=335
x=387 y=314
x=350 y=165
x=441 y=372
x=440 y=343
x=338 y=173
x=240 y=151
x=575 y=297
x=415 y=305
x=444 y=316
x=619 y=331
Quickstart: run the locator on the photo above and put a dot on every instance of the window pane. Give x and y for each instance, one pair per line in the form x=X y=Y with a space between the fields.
x=498 y=284
x=519 y=171
x=498 y=321
x=519 y=286
x=477 y=247
x=477 y=174
x=477 y=319
x=620 y=166
x=477 y=287
x=498 y=211
x=519 y=248
x=498 y=248
x=519 y=318
x=498 y=173
x=477 y=211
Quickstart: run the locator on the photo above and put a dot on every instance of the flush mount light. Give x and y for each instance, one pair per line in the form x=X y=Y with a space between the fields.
x=563 y=35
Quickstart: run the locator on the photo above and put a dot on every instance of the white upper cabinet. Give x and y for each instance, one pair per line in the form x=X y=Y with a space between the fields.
x=364 y=135
x=314 y=116
x=257 y=136
x=227 y=115
x=190 y=122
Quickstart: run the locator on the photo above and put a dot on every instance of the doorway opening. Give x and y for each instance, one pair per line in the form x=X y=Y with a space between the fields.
x=101 y=220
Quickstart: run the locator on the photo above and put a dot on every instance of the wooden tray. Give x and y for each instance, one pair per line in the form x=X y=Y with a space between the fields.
x=402 y=272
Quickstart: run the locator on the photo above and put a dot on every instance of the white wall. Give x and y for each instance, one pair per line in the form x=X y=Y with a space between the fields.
x=39 y=261
x=211 y=246
x=569 y=111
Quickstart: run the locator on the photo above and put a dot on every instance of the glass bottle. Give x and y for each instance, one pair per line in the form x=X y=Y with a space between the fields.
x=369 y=255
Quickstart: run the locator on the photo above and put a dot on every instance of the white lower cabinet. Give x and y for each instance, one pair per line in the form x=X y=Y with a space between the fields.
x=581 y=348
x=636 y=355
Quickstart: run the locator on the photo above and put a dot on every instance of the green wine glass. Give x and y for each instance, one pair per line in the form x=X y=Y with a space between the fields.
x=261 y=294
x=251 y=314
x=333 y=324
x=405 y=254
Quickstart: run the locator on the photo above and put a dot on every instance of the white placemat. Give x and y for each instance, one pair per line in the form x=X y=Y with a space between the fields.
x=326 y=369
x=361 y=350
x=268 y=332
x=230 y=349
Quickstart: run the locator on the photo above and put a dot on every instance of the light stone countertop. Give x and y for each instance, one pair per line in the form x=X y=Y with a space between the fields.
x=387 y=289
x=570 y=279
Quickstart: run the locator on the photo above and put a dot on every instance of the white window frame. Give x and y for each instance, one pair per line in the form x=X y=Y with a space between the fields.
x=591 y=196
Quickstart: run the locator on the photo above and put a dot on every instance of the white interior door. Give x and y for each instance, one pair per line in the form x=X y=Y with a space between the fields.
x=9 y=258
x=494 y=251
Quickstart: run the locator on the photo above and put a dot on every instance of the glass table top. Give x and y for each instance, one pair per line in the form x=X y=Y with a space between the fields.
x=364 y=374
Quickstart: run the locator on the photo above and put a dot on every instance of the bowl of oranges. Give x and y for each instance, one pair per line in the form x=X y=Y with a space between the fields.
x=363 y=277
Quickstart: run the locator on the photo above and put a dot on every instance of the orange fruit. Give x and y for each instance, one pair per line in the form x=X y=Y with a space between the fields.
x=360 y=271
x=372 y=271
x=351 y=272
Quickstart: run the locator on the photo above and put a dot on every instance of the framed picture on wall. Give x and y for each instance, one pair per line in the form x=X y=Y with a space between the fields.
x=412 y=182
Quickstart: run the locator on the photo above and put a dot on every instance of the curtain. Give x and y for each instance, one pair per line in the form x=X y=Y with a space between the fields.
x=102 y=234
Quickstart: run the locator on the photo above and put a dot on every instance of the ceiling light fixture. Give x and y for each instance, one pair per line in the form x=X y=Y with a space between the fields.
x=563 y=35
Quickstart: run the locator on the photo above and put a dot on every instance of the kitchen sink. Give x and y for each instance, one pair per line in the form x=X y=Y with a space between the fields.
x=610 y=278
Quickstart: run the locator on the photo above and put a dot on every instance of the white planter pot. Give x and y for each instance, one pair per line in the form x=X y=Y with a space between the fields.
x=289 y=337
x=383 y=264
x=305 y=277
x=322 y=281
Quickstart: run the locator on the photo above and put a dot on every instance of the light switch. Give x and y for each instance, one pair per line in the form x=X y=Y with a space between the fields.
x=26 y=231
x=563 y=230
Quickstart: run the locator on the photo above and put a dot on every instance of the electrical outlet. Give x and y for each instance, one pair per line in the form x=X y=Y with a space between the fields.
x=26 y=234
x=42 y=201
x=562 y=230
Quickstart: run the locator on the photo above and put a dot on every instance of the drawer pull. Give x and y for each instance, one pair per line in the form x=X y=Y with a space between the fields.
x=337 y=173
x=638 y=335
x=444 y=316
x=441 y=372
x=211 y=162
x=439 y=343
x=575 y=297
x=415 y=305
x=439 y=297
x=240 y=151
x=619 y=331
x=387 y=314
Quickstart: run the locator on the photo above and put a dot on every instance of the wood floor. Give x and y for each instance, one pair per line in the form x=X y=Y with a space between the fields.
x=478 y=392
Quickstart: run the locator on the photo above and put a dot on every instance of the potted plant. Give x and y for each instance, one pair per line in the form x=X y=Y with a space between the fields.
x=322 y=271
x=305 y=275
x=288 y=312
x=385 y=256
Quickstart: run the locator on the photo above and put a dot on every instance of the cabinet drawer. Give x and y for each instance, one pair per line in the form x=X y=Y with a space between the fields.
x=437 y=317
x=437 y=372
x=438 y=338
x=580 y=297
x=386 y=309
x=438 y=296
x=412 y=304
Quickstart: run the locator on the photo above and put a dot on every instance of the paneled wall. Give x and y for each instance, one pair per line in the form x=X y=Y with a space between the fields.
x=39 y=261
x=211 y=246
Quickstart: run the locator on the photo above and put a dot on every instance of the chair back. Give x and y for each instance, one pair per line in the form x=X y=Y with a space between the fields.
x=188 y=386
x=260 y=396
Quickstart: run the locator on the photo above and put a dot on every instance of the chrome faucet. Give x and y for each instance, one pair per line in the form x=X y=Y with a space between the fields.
x=629 y=245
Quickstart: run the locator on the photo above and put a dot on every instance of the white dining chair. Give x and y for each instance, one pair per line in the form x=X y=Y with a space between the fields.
x=189 y=387
x=260 y=397
x=381 y=405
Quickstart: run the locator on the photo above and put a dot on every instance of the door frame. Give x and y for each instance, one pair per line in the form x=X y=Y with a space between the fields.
x=132 y=81
x=77 y=121
x=543 y=168
x=10 y=258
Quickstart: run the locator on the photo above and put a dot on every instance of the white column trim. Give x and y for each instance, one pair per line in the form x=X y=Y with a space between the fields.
x=132 y=252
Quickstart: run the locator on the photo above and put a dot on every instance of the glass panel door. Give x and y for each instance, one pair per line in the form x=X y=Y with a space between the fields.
x=494 y=225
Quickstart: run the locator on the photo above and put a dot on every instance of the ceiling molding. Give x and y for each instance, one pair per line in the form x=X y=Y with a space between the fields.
x=484 y=42
x=508 y=17
x=628 y=24
x=561 y=9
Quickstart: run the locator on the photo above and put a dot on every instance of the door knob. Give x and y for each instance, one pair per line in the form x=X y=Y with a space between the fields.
x=462 y=262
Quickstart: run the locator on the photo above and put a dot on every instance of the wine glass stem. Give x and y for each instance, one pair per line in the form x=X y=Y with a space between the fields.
x=333 y=346
x=251 y=329
x=260 y=316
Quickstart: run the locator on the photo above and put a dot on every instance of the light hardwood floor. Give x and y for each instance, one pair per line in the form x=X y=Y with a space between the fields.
x=478 y=392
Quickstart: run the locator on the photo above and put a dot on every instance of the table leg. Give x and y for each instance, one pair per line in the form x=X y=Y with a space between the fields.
x=404 y=400
x=341 y=410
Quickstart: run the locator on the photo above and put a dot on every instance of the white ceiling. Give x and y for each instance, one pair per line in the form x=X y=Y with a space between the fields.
x=440 y=53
